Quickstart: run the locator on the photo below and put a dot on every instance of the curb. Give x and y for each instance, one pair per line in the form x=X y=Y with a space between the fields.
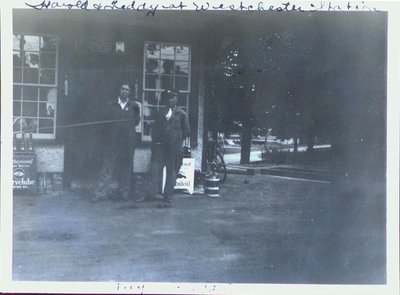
x=281 y=171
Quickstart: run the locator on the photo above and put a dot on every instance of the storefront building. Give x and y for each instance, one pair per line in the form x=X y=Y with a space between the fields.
x=69 y=64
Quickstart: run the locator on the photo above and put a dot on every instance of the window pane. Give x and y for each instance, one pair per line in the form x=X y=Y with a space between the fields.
x=17 y=42
x=182 y=100
x=31 y=76
x=152 y=66
x=153 y=51
x=47 y=60
x=17 y=108
x=31 y=43
x=167 y=52
x=152 y=98
x=48 y=43
x=48 y=94
x=47 y=76
x=17 y=75
x=46 y=125
x=182 y=52
x=31 y=60
x=167 y=82
x=30 y=125
x=42 y=109
x=46 y=110
x=167 y=67
x=30 y=93
x=17 y=59
x=182 y=83
x=17 y=92
x=181 y=68
x=152 y=82
x=29 y=109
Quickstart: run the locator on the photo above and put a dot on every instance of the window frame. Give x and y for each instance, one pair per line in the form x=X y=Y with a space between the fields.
x=38 y=85
x=158 y=91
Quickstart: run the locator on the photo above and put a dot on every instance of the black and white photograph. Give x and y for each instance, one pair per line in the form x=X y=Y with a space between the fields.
x=211 y=146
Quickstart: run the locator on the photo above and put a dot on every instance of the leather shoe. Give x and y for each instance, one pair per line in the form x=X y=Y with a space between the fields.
x=167 y=199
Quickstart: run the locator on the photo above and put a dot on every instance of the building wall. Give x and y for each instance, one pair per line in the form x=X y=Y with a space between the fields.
x=90 y=73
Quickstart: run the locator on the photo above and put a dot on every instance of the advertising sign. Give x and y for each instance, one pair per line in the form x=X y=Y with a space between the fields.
x=185 y=178
x=24 y=171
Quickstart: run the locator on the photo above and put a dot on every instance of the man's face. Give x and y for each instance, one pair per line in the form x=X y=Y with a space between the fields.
x=173 y=101
x=124 y=91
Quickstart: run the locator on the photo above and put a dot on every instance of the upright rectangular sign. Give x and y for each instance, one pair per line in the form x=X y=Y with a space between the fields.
x=24 y=171
x=185 y=178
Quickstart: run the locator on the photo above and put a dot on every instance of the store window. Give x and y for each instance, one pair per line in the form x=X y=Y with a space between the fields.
x=166 y=66
x=35 y=85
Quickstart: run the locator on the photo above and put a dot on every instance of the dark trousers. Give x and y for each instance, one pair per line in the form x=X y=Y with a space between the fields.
x=155 y=177
x=118 y=163
x=170 y=157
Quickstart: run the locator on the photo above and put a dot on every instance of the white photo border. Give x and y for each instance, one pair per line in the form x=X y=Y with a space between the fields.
x=392 y=286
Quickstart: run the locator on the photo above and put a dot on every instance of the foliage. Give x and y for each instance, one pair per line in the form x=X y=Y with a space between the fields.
x=271 y=81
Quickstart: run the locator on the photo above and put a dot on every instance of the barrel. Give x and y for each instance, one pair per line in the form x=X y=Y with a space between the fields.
x=211 y=186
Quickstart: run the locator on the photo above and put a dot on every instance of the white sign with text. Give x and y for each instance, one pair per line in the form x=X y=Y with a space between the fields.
x=185 y=179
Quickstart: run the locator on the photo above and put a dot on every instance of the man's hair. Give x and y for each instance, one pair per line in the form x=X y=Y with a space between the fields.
x=125 y=84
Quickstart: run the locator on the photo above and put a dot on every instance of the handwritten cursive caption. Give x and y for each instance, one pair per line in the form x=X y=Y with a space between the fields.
x=140 y=288
x=151 y=9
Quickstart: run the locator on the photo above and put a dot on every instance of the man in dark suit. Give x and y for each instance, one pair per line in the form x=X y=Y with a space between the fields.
x=120 y=118
x=170 y=128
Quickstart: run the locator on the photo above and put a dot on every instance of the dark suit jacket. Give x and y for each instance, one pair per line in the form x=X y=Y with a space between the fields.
x=172 y=131
x=120 y=125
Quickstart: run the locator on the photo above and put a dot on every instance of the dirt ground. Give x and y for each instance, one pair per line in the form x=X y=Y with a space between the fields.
x=263 y=229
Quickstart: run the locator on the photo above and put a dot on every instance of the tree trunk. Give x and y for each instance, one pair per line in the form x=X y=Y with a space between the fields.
x=295 y=144
x=245 y=143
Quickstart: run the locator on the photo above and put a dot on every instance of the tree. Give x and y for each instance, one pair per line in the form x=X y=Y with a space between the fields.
x=276 y=81
x=242 y=72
